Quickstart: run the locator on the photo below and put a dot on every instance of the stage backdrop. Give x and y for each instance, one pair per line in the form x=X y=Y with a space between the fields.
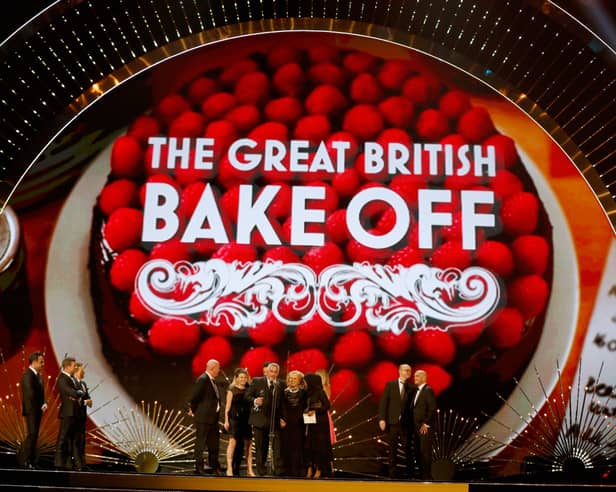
x=323 y=201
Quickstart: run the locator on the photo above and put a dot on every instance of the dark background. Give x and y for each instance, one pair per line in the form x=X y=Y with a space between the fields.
x=598 y=15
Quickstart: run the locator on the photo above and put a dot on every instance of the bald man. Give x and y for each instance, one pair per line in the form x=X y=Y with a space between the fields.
x=391 y=417
x=205 y=405
x=423 y=407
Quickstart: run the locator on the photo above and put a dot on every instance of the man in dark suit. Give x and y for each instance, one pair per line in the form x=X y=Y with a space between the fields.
x=79 y=442
x=32 y=408
x=392 y=416
x=70 y=409
x=204 y=406
x=424 y=415
x=264 y=395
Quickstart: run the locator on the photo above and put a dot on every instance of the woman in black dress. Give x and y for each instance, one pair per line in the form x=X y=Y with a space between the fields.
x=237 y=411
x=318 y=445
x=292 y=430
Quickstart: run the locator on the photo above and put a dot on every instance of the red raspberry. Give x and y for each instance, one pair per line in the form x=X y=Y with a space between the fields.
x=126 y=157
x=327 y=73
x=346 y=137
x=252 y=88
x=520 y=213
x=283 y=54
x=190 y=197
x=432 y=125
x=254 y=359
x=190 y=175
x=329 y=203
x=394 y=346
x=219 y=327
x=224 y=134
x=438 y=378
x=123 y=228
x=336 y=227
x=312 y=227
x=200 y=88
x=314 y=128
x=528 y=293
x=244 y=118
x=172 y=250
x=314 y=333
x=281 y=205
x=358 y=62
x=156 y=178
x=217 y=348
x=397 y=111
x=506 y=329
x=309 y=360
x=281 y=253
x=205 y=247
x=465 y=335
x=286 y=110
x=143 y=127
x=434 y=345
x=371 y=211
x=465 y=182
x=454 y=104
x=363 y=121
x=326 y=99
x=170 y=107
x=138 y=311
x=451 y=254
x=269 y=130
x=269 y=332
x=217 y=105
x=407 y=186
x=379 y=374
x=235 y=70
x=345 y=386
x=505 y=183
x=393 y=135
x=393 y=73
x=346 y=183
x=354 y=349
x=475 y=125
x=531 y=254
x=360 y=323
x=358 y=252
x=229 y=203
x=421 y=90
x=320 y=257
x=230 y=177
x=187 y=124
x=117 y=194
x=496 y=257
x=170 y=336
x=289 y=80
x=406 y=257
x=323 y=54
x=504 y=148
x=125 y=267
x=365 y=88
x=234 y=251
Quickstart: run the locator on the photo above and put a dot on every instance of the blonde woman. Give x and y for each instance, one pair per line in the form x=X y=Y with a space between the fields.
x=292 y=431
x=237 y=411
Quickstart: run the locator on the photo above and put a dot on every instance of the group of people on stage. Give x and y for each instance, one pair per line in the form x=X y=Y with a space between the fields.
x=289 y=421
x=74 y=403
x=407 y=413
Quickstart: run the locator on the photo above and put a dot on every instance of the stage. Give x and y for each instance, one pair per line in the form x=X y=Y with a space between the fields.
x=51 y=480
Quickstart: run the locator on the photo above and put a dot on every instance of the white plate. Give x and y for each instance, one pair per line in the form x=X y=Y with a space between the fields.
x=72 y=324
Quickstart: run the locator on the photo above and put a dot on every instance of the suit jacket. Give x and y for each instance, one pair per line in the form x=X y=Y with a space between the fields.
x=424 y=409
x=392 y=405
x=260 y=416
x=85 y=396
x=32 y=393
x=207 y=400
x=69 y=396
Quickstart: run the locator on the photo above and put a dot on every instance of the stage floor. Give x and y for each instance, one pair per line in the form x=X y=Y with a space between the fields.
x=51 y=480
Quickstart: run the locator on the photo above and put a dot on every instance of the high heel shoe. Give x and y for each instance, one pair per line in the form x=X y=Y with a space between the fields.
x=317 y=473
x=250 y=473
x=309 y=472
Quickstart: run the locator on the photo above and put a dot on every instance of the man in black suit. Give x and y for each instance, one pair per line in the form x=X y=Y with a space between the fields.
x=392 y=416
x=70 y=409
x=205 y=405
x=32 y=408
x=424 y=415
x=79 y=442
x=264 y=395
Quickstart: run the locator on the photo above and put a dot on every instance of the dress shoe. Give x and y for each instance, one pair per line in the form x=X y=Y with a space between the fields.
x=219 y=472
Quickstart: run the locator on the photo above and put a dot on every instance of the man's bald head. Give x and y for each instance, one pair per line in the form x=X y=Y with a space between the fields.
x=212 y=367
x=420 y=377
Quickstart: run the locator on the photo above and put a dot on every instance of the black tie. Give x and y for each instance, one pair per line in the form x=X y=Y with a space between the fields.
x=215 y=389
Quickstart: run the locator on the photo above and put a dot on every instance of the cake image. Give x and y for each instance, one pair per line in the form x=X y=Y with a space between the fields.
x=327 y=163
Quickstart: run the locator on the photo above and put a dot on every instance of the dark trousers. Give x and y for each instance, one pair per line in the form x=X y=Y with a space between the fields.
x=27 y=453
x=397 y=434
x=207 y=436
x=79 y=443
x=64 y=445
x=262 y=443
x=423 y=454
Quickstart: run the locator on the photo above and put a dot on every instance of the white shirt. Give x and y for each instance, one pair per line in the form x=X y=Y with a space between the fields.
x=419 y=388
x=33 y=370
x=400 y=386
